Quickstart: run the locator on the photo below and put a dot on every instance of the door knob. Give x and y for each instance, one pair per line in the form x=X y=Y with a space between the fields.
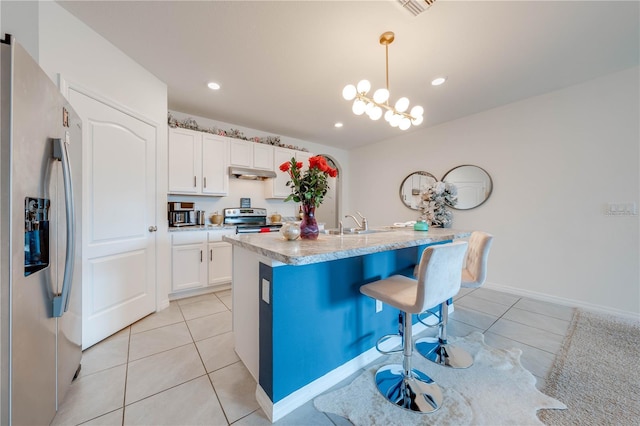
x=153 y=228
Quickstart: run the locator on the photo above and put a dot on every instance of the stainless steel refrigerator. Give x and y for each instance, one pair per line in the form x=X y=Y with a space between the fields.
x=40 y=227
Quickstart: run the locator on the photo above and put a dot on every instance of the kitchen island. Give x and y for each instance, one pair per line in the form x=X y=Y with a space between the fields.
x=299 y=320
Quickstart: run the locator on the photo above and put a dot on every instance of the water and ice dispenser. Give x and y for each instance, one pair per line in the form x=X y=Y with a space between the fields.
x=36 y=234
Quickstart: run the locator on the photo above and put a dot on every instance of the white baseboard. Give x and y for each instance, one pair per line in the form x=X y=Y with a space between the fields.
x=199 y=291
x=298 y=398
x=563 y=301
x=163 y=304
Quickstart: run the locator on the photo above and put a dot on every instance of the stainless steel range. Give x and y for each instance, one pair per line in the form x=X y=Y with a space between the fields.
x=249 y=220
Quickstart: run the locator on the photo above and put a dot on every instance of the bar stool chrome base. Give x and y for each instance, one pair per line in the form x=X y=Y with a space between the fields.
x=443 y=353
x=415 y=392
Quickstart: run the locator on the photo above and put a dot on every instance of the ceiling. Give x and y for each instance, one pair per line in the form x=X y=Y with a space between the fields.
x=282 y=64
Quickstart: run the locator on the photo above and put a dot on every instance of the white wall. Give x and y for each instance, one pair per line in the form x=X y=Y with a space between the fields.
x=64 y=45
x=20 y=19
x=555 y=161
x=255 y=189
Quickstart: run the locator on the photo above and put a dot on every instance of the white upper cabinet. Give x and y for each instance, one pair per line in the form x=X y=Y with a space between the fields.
x=263 y=156
x=185 y=148
x=198 y=163
x=251 y=154
x=277 y=188
x=215 y=163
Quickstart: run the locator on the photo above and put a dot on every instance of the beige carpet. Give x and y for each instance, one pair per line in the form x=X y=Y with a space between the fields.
x=597 y=373
x=496 y=390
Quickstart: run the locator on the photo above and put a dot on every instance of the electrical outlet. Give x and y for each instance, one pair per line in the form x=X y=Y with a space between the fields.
x=265 y=290
x=378 y=306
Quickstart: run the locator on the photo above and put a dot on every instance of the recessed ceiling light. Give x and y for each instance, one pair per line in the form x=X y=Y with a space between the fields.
x=338 y=125
x=438 y=81
x=213 y=86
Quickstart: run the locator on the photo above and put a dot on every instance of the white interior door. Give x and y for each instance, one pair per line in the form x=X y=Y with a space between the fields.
x=118 y=210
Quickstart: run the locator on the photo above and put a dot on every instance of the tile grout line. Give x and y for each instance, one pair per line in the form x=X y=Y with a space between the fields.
x=518 y=314
x=126 y=376
x=522 y=352
x=193 y=342
x=224 y=413
x=545 y=314
x=503 y=314
x=538 y=328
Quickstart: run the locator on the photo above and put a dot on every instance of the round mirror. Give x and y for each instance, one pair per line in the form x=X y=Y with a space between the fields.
x=473 y=183
x=412 y=186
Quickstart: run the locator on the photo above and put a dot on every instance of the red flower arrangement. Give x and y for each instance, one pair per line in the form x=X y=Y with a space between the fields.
x=309 y=186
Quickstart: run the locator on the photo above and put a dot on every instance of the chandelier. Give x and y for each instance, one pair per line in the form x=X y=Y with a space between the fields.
x=397 y=115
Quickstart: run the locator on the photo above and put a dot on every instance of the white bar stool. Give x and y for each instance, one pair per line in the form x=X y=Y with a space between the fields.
x=473 y=275
x=439 y=274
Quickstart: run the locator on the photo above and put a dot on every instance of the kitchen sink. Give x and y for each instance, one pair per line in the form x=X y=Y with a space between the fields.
x=353 y=231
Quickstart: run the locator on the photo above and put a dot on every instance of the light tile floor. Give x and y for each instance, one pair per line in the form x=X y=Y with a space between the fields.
x=178 y=366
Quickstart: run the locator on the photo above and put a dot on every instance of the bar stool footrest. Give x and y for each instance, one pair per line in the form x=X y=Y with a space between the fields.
x=424 y=315
x=386 y=338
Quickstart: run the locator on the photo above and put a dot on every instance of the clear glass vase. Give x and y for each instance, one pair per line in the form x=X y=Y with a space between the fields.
x=309 y=225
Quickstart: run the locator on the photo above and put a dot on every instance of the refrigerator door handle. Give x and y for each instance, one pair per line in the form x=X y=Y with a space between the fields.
x=61 y=301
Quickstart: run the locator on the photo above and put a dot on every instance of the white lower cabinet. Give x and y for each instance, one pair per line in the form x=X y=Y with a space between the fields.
x=220 y=263
x=201 y=261
x=189 y=270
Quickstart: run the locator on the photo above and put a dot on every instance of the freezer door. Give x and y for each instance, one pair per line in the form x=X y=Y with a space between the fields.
x=45 y=351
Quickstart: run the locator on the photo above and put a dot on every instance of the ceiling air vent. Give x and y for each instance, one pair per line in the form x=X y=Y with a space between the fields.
x=416 y=7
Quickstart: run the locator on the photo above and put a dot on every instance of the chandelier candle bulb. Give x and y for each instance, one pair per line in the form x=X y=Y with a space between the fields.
x=359 y=107
x=402 y=104
x=364 y=86
x=375 y=113
x=349 y=92
x=381 y=96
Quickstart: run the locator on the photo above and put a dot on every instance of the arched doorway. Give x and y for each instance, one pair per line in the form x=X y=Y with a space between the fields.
x=329 y=211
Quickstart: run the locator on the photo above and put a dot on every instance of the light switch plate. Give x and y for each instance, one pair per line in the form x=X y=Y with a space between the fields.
x=378 y=306
x=265 y=290
x=621 y=209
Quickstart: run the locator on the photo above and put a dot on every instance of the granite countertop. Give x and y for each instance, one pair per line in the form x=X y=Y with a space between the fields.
x=209 y=227
x=332 y=247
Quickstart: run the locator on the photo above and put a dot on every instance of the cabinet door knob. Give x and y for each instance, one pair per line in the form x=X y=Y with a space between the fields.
x=153 y=228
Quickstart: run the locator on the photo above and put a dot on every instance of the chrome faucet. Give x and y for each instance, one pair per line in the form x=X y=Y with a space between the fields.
x=361 y=227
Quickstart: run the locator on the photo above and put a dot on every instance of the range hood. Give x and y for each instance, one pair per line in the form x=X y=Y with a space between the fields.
x=250 y=174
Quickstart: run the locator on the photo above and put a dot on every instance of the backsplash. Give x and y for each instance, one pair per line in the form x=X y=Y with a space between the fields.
x=240 y=189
